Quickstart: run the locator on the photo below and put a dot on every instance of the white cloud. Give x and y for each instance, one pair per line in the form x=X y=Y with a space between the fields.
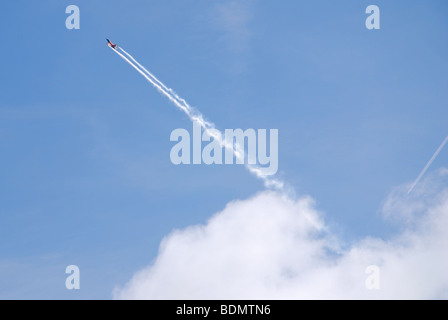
x=272 y=246
x=407 y=208
x=233 y=18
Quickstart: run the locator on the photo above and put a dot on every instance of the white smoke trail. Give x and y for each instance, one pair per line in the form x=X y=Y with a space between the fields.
x=428 y=164
x=154 y=78
x=197 y=117
x=157 y=86
x=170 y=91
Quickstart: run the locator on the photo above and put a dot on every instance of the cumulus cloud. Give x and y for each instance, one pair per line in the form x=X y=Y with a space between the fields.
x=274 y=246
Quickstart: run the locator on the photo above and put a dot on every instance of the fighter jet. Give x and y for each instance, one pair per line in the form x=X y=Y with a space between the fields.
x=110 y=44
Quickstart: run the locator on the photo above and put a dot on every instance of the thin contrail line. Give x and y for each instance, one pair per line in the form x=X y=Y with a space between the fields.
x=428 y=164
x=197 y=117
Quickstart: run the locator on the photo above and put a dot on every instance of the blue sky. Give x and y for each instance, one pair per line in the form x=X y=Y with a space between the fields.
x=85 y=172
